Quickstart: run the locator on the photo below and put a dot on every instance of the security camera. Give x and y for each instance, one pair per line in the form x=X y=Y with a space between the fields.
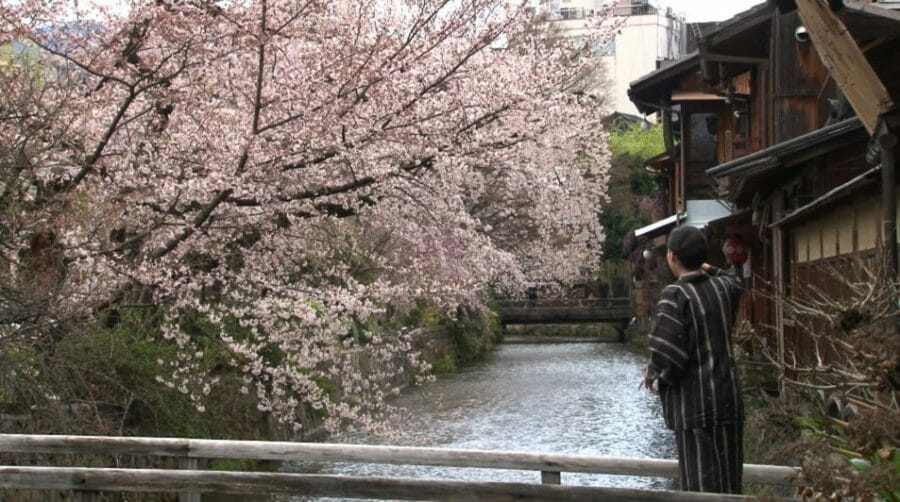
x=801 y=34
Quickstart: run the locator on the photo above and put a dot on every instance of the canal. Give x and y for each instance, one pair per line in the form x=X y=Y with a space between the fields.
x=560 y=398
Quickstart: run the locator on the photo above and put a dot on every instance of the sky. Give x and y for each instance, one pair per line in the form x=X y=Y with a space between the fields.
x=707 y=10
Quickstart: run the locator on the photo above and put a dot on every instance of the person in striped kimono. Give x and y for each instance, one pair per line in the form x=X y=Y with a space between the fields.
x=692 y=364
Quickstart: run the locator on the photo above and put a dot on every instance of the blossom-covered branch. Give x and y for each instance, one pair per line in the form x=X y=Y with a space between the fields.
x=237 y=161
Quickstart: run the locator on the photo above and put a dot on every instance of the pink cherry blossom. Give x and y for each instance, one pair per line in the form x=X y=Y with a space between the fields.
x=296 y=167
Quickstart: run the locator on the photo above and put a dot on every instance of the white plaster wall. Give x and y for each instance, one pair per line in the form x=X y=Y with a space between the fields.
x=640 y=42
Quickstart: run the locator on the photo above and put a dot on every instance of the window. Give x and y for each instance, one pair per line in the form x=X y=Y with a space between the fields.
x=704 y=137
x=600 y=48
x=569 y=13
x=701 y=143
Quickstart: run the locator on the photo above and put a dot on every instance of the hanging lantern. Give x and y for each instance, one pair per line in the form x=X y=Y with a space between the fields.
x=736 y=252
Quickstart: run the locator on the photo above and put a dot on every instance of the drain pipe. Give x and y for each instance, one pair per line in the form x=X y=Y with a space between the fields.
x=888 y=143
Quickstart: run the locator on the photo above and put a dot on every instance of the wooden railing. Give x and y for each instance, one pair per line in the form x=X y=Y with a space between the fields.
x=575 y=302
x=190 y=483
x=565 y=311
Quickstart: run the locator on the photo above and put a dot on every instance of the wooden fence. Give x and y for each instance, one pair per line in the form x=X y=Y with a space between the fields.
x=190 y=482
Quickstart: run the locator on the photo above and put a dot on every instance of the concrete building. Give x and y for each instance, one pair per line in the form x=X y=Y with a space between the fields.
x=644 y=39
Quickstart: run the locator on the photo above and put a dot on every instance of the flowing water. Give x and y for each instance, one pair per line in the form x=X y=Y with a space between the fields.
x=559 y=398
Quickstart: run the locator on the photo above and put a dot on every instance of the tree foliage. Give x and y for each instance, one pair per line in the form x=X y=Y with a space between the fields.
x=631 y=147
x=295 y=168
x=637 y=142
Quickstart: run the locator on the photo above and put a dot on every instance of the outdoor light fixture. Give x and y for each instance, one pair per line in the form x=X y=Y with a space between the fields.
x=735 y=251
x=801 y=34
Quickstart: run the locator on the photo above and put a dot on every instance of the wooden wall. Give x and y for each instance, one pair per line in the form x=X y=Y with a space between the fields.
x=799 y=79
x=845 y=164
x=827 y=252
x=853 y=227
x=831 y=276
x=884 y=59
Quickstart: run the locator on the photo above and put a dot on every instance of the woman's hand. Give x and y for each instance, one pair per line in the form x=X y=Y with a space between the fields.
x=649 y=377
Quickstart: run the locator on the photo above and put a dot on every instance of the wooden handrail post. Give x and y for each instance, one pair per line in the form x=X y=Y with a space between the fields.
x=189 y=464
x=551 y=477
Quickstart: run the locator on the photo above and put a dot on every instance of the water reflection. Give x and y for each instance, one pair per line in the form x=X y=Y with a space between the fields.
x=575 y=398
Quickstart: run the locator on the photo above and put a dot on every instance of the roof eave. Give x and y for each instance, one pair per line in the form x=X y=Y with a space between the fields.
x=857 y=183
x=761 y=158
x=641 y=91
x=657 y=227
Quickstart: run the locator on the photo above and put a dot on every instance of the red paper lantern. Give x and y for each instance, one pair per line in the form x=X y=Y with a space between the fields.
x=736 y=252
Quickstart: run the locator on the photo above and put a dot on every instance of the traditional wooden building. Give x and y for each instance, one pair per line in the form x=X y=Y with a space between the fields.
x=786 y=115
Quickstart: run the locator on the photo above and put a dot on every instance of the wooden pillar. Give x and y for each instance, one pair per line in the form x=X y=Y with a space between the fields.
x=668 y=140
x=888 y=144
x=551 y=477
x=681 y=164
x=778 y=273
x=188 y=464
x=703 y=50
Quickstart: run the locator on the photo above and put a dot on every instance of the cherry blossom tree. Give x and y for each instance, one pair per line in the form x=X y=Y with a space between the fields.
x=288 y=169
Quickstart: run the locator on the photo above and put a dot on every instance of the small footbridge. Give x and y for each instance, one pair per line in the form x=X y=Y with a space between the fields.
x=195 y=477
x=606 y=310
x=617 y=312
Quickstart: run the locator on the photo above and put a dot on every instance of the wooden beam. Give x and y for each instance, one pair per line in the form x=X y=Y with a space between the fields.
x=313 y=485
x=532 y=339
x=846 y=62
x=369 y=454
x=725 y=58
x=872 y=9
x=564 y=315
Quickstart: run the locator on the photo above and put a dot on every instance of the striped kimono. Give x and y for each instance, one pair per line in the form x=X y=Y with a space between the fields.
x=690 y=355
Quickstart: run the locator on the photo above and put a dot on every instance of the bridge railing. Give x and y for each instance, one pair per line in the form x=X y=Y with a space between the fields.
x=574 y=302
x=192 y=482
x=574 y=311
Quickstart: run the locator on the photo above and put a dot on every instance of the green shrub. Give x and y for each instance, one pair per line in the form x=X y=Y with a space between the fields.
x=641 y=181
x=637 y=142
x=445 y=363
x=423 y=314
x=474 y=332
x=105 y=380
x=630 y=183
x=617 y=221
